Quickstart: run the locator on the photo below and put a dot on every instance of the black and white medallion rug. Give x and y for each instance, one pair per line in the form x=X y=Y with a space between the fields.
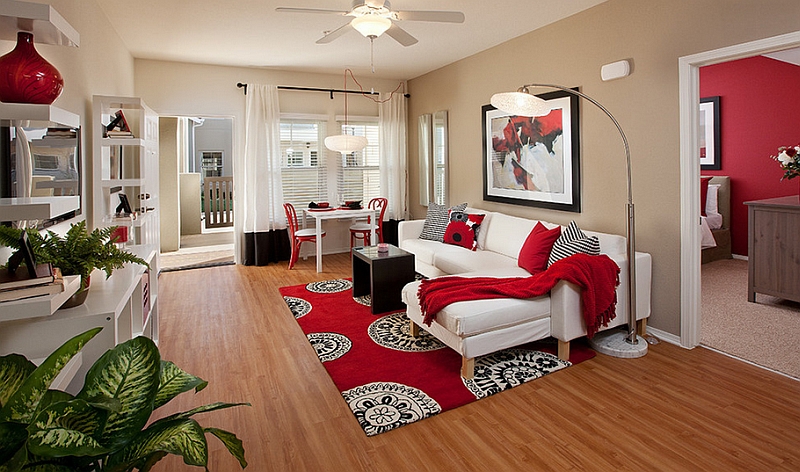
x=389 y=378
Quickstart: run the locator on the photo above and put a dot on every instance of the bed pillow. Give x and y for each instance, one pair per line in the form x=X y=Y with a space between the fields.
x=703 y=194
x=712 y=205
x=573 y=241
x=437 y=220
x=536 y=249
x=463 y=229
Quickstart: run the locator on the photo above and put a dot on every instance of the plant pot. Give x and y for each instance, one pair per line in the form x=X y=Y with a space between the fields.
x=78 y=297
x=26 y=77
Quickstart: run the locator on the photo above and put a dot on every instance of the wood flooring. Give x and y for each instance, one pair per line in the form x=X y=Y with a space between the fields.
x=672 y=410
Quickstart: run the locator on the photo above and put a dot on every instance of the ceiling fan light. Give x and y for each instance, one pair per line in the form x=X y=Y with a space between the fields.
x=520 y=104
x=371 y=25
x=346 y=143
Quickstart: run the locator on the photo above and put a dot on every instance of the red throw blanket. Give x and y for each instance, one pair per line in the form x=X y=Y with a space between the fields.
x=597 y=276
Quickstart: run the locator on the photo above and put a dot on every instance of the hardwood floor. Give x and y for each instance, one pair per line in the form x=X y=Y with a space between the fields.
x=672 y=410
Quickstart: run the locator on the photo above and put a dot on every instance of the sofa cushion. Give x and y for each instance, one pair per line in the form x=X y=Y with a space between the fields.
x=536 y=250
x=473 y=317
x=573 y=241
x=457 y=260
x=436 y=221
x=463 y=229
x=505 y=234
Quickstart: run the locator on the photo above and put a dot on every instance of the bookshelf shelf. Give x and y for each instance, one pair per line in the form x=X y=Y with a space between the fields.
x=46 y=24
x=39 y=306
x=37 y=208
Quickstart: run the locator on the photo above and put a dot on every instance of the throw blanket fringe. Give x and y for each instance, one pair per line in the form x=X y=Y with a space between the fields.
x=597 y=277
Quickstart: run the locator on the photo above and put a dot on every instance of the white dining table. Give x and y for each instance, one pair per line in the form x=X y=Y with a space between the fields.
x=336 y=214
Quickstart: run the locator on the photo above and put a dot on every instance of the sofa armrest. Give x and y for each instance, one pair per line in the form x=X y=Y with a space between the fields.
x=566 y=319
x=409 y=230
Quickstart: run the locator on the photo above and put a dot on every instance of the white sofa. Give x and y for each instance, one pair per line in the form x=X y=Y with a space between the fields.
x=479 y=327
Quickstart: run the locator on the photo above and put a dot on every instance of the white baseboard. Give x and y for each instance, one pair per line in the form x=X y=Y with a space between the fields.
x=665 y=336
x=739 y=257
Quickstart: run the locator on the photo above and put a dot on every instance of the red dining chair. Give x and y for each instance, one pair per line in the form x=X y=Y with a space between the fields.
x=297 y=236
x=361 y=230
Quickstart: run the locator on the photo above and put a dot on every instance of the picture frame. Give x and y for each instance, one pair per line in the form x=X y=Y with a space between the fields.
x=534 y=161
x=708 y=118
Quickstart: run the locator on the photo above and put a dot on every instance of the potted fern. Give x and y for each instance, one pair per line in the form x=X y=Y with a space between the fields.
x=102 y=428
x=76 y=253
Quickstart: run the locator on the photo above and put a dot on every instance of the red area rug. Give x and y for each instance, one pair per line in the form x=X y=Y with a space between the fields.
x=389 y=378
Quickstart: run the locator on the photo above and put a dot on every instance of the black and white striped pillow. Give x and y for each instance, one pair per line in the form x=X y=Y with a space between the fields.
x=437 y=220
x=573 y=241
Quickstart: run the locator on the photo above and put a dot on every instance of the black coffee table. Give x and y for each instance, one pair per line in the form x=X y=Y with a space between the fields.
x=382 y=275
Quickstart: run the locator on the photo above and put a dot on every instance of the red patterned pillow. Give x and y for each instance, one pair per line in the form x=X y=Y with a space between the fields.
x=536 y=249
x=463 y=229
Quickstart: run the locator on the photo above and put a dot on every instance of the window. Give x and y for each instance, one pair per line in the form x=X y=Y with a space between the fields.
x=211 y=162
x=303 y=172
x=359 y=174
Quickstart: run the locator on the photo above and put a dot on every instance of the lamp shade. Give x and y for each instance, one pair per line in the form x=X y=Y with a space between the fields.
x=371 y=25
x=520 y=103
x=346 y=143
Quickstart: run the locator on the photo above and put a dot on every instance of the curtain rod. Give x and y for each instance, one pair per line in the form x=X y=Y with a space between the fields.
x=315 y=89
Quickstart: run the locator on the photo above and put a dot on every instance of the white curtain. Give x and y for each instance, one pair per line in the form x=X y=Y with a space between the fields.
x=394 y=159
x=262 y=192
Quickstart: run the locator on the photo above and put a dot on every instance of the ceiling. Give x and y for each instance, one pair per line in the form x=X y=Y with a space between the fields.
x=250 y=33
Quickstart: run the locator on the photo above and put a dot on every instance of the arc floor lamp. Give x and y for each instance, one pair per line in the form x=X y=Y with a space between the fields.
x=612 y=342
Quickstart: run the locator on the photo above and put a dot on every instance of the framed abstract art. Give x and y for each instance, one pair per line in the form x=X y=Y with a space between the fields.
x=533 y=161
x=708 y=117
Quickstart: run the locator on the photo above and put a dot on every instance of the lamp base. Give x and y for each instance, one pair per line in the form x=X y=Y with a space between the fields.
x=613 y=343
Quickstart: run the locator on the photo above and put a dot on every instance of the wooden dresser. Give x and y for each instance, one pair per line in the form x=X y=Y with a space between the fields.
x=774 y=248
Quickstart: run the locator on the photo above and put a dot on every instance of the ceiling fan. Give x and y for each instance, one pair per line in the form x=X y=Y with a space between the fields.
x=372 y=18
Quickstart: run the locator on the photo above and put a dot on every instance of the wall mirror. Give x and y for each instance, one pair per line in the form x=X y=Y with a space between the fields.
x=433 y=155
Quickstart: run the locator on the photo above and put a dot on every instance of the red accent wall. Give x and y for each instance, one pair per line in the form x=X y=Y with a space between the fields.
x=759 y=112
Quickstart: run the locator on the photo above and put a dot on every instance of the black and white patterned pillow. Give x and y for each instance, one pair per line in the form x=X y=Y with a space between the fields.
x=573 y=241
x=437 y=220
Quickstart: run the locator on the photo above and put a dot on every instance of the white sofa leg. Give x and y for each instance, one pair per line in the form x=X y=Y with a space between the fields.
x=563 y=350
x=467 y=367
x=413 y=329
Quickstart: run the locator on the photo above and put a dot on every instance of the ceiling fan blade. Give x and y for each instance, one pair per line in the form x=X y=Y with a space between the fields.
x=439 y=16
x=400 y=35
x=309 y=10
x=334 y=34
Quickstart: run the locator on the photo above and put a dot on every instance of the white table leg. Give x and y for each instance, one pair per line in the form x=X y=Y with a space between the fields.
x=319 y=244
x=373 y=241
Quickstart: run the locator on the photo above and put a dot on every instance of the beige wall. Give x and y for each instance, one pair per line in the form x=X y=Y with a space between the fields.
x=653 y=34
x=176 y=89
x=168 y=208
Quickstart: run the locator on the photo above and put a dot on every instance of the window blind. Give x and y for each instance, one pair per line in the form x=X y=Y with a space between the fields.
x=303 y=169
x=359 y=172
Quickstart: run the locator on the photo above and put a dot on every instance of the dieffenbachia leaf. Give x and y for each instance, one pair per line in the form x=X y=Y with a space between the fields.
x=201 y=409
x=180 y=437
x=14 y=369
x=67 y=429
x=230 y=441
x=128 y=373
x=22 y=403
x=175 y=381
x=12 y=438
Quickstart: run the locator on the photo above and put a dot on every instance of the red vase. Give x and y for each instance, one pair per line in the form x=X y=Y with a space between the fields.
x=25 y=77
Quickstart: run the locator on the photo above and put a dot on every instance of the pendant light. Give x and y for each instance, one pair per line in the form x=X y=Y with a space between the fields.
x=345 y=143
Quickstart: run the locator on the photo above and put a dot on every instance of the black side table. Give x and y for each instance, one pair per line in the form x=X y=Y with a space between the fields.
x=382 y=275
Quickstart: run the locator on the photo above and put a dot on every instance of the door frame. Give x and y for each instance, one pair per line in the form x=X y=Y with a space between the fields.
x=689 y=82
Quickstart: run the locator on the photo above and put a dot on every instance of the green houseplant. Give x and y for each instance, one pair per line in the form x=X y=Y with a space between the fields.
x=101 y=428
x=76 y=253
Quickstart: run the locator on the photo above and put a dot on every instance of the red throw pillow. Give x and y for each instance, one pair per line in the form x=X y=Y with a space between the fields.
x=536 y=249
x=463 y=229
x=703 y=194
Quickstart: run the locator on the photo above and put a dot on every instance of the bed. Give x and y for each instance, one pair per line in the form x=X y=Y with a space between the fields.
x=715 y=227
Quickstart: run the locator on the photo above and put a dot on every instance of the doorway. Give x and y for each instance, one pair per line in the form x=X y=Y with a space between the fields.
x=689 y=82
x=197 y=178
